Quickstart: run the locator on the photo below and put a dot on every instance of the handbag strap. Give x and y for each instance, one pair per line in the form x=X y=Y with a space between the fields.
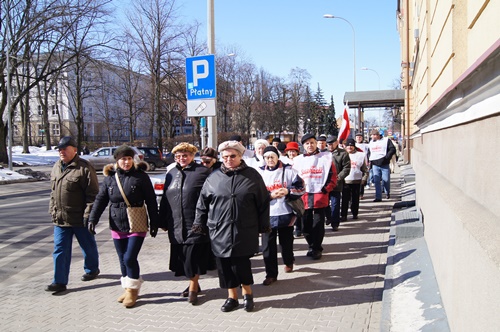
x=121 y=189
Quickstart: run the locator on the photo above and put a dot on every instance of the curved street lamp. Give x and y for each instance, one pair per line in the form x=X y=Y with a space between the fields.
x=373 y=70
x=353 y=42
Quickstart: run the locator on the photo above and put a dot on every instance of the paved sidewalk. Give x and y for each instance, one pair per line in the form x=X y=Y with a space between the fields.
x=340 y=292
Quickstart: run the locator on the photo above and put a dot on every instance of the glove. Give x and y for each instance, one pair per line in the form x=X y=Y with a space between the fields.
x=153 y=231
x=89 y=225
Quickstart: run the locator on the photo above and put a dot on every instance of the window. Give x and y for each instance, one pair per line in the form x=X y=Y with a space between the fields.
x=39 y=109
x=91 y=114
x=54 y=127
x=54 y=109
x=188 y=121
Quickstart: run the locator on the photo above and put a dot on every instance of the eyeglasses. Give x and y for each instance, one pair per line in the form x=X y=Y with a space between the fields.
x=231 y=156
x=181 y=156
x=206 y=161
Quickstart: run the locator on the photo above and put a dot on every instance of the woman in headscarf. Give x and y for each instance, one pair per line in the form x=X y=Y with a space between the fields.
x=233 y=208
x=258 y=160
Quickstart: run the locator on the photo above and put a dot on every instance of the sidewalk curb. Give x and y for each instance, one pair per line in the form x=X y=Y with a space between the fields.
x=411 y=298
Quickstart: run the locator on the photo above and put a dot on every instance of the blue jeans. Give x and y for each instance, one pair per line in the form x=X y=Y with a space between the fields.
x=63 y=243
x=128 y=250
x=382 y=178
x=335 y=197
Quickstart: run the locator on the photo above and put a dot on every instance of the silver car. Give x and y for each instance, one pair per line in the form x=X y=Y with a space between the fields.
x=103 y=156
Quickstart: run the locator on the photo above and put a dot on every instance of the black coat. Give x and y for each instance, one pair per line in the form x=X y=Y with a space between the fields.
x=137 y=187
x=178 y=202
x=235 y=208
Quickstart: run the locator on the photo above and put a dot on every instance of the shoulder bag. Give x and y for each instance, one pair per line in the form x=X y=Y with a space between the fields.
x=137 y=216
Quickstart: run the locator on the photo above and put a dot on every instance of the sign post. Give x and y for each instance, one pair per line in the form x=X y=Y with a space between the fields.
x=201 y=87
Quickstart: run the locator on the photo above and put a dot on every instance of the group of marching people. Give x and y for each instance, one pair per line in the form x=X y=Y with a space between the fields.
x=215 y=211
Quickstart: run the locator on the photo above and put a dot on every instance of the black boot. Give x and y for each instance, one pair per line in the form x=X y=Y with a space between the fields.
x=248 y=303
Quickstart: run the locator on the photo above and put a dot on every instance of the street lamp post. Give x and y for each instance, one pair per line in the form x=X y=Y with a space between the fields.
x=373 y=70
x=353 y=43
x=211 y=120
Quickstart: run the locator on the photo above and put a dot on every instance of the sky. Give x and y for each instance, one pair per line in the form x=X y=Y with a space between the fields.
x=279 y=35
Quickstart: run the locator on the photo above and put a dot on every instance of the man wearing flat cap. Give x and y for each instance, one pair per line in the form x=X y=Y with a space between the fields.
x=320 y=177
x=74 y=188
x=322 y=143
x=380 y=152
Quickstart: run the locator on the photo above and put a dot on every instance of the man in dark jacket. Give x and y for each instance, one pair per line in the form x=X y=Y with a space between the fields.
x=74 y=188
x=380 y=152
x=343 y=165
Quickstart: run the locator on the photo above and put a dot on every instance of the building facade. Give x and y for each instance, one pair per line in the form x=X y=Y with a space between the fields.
x=451 y=77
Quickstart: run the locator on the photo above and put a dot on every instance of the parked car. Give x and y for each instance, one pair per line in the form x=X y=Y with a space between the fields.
x=153 y=156
x=103 y=156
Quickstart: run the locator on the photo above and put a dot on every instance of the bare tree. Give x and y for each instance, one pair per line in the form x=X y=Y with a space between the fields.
x=155 y=31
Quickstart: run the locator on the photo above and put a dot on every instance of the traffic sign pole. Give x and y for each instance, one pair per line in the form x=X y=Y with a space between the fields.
x=212 y=120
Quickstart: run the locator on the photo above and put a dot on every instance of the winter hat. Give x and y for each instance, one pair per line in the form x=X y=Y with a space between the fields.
x=306 y=137
x=292 y=146
x=235 y=138
x=232 y=145
x=124 y=151
x=209 y=152
x=65 y=142
x=271 y=149
x=185 y=147
x=350 y=142
x=276 y=139
x=281 y=147
x=322 y=137
x=331 y=139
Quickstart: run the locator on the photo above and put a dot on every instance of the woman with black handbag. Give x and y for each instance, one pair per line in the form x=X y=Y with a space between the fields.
x=127 y=187
x=283 y=183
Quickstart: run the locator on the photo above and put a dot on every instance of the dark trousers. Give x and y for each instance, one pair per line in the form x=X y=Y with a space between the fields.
x=270 y=249
x=234 y=271
x=128 y=250
x=313 y=227
x=335 y=197
x=350 y=194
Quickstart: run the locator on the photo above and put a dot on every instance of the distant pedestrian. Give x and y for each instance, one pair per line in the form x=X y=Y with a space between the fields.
x=322 y=143
x=395 y=157
x=343 y=166
x=74 y=188
x=257 y=160
x=360 y=144
x=275 y=142
x=210 y=159
x=138 y=190
x=355 y=180
x=320 y=177
x=292 y=150
x=234 y=208
x=380 y=152
x=85 y=150
x=282 y=182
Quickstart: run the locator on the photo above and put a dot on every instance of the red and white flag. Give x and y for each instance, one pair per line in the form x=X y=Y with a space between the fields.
x=345 y=127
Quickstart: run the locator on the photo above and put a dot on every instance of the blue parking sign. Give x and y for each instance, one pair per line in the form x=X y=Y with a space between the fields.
x=200 y=77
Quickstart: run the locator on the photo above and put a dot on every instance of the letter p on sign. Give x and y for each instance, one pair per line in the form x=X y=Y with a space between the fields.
x=197 y=74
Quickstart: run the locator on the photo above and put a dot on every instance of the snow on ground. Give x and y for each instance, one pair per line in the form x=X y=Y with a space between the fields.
x=36 y=157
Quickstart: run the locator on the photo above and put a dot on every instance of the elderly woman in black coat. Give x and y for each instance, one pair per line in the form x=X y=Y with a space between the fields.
x=234 y=206
x=188 y=253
